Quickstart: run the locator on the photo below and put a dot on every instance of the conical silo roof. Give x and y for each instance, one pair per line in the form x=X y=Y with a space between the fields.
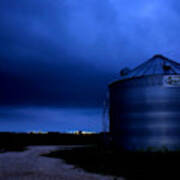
x=157 y=65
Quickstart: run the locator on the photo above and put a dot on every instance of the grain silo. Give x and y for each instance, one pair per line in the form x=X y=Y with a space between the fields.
x=145 y=106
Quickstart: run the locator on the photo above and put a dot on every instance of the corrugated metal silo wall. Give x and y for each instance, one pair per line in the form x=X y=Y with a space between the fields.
x=145 y=114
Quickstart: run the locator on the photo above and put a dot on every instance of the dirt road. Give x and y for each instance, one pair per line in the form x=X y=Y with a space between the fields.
x=29 y=165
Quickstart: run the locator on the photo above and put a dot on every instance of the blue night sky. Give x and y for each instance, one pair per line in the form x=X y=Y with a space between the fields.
x=57 y=57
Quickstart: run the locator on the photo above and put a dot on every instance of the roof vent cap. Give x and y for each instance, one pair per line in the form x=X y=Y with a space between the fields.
x=125 y=71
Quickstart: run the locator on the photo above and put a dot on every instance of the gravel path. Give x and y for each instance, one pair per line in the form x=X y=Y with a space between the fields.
x=29 y=165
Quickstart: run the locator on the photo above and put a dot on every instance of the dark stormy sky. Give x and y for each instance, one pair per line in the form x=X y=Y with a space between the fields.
x=63 y=53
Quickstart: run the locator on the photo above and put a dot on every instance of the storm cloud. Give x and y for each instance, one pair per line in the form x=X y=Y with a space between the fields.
x=65 y=52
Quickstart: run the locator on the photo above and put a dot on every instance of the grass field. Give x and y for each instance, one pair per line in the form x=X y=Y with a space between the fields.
x=131 y=165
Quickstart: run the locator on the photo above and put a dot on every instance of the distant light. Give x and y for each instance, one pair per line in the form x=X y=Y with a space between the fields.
x=38 y=132
x=81 y=132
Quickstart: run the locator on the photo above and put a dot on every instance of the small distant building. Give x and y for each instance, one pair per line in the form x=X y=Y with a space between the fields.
x=145 y=106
